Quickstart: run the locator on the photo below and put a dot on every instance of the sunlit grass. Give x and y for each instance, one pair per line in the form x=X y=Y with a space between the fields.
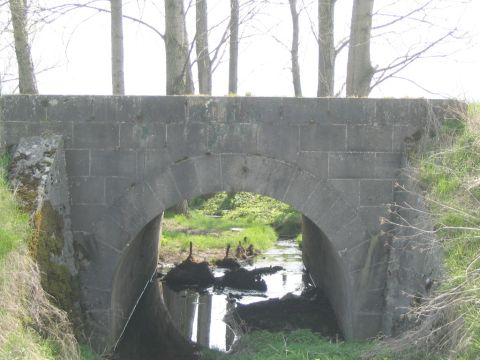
x=219 y=232
x=14 y=226
x=450 y=173
x=296 y=345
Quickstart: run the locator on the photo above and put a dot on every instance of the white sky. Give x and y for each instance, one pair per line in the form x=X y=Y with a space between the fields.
x=79 y=50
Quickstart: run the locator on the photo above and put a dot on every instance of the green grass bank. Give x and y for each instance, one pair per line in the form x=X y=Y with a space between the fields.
x=222 y=219
x=31 y=327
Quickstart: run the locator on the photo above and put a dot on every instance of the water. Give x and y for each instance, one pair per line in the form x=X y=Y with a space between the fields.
x=200 y=316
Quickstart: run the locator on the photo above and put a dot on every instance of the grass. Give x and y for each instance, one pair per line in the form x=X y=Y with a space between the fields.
x=217 y=235
x=14 y=227
x=261 y=220
x=30 y=326
x=450 y=175
x=296 y=345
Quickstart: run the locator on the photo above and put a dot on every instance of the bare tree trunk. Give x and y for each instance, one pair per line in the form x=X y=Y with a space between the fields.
x=179 y=79
x=179 y=69
x=118 y=77
x=297 y=87
x=233 y=61
x=203 y=55
x=26 y=74
x=326 y=48
x=359 y=67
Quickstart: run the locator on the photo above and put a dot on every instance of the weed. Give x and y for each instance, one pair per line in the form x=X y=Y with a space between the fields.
x=296 y=345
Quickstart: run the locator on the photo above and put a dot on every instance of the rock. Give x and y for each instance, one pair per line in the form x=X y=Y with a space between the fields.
x=243 y=279
x=190 y=273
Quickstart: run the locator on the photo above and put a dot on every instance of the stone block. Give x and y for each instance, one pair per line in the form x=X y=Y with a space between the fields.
x=376 y=192
x=151 y=161
x=163 y=185
x=304 y=111
x=186 y=140
x=87 y=190
x=369 y=138
x=77 y=162
x=114 y=109
x=393 y=111
x=315 y=162
x=323 y=137
x=260 y=110
x=387 y=165
x=113 y=163
x=320 y=201
x=351 y=111
x=372 y=217
x=234 y=171
x=258 y=173
x=301 y=186
x=209 y=174
x=366 y=325
x=142 y=135
x=336 y=217
x=404 y=135
x=279 y=180
x=115 y=187
x=163 y=109
x=349 y=189
x=13 y=131
x=128 y=212
x=95 y=136
x=279 y=141
x=108 y=231
x=186 y=180
x=351 y=234
x=219 y=110
x=84 y=217
x=232 y=138
x=21 y=108
x=419 y=111
x=66 y=108
x=47 y=128
x=351 y=165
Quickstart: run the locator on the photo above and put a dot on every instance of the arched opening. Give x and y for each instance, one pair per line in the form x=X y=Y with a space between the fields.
x=261 y=284
x=198 y=314
x=335 y=239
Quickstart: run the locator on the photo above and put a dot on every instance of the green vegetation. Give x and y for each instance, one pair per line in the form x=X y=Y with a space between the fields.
x=450 y=174
x=296 y=345
x=31 y=327
x=215 y=233
x=229 y=218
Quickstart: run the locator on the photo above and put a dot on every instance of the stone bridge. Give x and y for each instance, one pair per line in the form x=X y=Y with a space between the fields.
x=130 y=158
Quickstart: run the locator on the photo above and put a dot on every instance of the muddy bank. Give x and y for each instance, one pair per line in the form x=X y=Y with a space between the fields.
x=290 y=313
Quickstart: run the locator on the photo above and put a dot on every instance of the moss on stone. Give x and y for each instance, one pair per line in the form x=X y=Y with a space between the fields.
x=47 y=241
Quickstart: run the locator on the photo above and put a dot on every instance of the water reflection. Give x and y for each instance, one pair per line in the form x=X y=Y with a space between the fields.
x=193 y=316
x=199 y=317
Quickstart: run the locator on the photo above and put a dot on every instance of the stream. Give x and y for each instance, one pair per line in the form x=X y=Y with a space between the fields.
x=199 y=316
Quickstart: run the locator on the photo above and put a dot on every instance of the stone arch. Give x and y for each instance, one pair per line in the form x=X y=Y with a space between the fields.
x=133 y=216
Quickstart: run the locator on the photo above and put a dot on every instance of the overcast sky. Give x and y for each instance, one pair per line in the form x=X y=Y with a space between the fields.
x=77 y=46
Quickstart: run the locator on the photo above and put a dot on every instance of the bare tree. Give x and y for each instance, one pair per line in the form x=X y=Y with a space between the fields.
x=118 y=77
x=297 y=85
x=359 y=67
x=179 y=75
x=203 y=56
x=233 y=60
x=26 y=74
x=326 y=48
x=179 y=80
